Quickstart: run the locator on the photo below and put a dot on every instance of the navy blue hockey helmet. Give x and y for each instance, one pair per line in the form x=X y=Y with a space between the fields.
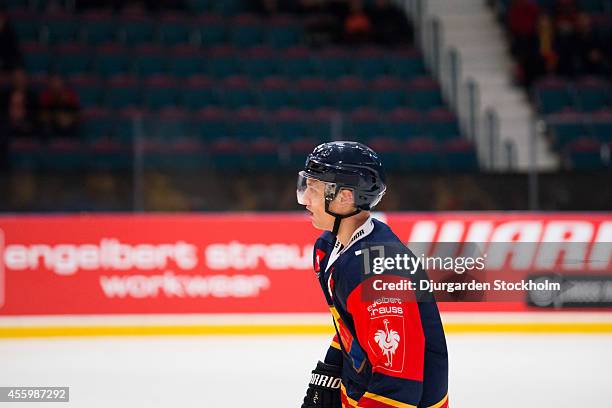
x=345 y=165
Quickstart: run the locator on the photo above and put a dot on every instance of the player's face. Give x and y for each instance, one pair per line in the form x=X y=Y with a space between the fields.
x=314 y=200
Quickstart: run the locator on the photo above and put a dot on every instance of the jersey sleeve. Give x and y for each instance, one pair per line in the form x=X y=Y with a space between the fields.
x=390 y=332
x=334 y=353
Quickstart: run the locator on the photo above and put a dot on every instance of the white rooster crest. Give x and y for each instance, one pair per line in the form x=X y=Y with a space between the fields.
x=387 y=340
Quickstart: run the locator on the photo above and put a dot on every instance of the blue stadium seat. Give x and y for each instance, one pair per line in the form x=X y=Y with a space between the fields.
x=246 y=31
x=169 y=141
x=160 y=91
x=252 y=128
x=350 y=92
x=211 y=30
x=312 y=93
x=260 y=62
x=307 y=129
x=389 y=149
x=180 y=146
x=565 y=127
x=320 y=124
x=137 y=29
x=211 y=123
x=222 y=62
x=441 y=124
x=290 y=124
x=64 y=154
x=600 y=125
x=237 y=92
x=123 y=91
x=424 y=94
x=115 y=151
x=404 y=124
x=73 y=58
x=126 y=126
x=420 y=153
x=553 y=95
x=332 y=63
x=274 y=93
x=60 y=28
x=584 y=154
x=89 y=88
x=186 y=61
x=149 y=60
x=99 y=27
x=25 y=153
x=111 y=59
x=364 y=124
x=229 y=151
x=26 y=25
x=297 y=63
x=175 y=29
x=284 y=32
x=389 y=93
x=37 y=58
x=459 y=154
x=199 y=92
x=370 y=63
x=592 y=94
x=406 y=65
x=97 y=124
x=249 y=123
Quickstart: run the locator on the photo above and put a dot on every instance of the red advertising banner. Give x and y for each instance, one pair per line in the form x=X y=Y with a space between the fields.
x=228 y=263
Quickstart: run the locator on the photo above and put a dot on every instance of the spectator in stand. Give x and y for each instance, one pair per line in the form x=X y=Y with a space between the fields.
x=10 y=56
x=151 y=5
x=357 y=25
x=59 y=109
x=566 y=19
x=590 y=55
x=19 y=83
x=391 y=27
x=548 y=59
x=523 y=21
x=523 y=18
x=324 y=20
x=19 y=109
x=18 y=114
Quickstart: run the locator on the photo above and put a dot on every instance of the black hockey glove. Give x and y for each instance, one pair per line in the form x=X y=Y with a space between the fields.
x=324 y=388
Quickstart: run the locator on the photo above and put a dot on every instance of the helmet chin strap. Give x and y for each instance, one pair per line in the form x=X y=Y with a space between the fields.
x=338 y=217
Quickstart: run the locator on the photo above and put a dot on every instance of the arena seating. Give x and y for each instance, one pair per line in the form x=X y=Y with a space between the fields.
x=577 y=110
x=225 y=87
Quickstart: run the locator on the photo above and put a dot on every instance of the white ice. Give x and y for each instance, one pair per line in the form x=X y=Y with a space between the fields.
x=487 y=370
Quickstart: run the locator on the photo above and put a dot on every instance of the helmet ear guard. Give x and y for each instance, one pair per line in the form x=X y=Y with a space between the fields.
x=330 y=195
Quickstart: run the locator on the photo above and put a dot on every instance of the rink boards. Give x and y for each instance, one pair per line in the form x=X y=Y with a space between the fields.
x=124 y=274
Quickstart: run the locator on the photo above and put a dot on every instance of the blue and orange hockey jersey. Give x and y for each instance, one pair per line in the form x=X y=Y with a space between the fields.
x=392 y=351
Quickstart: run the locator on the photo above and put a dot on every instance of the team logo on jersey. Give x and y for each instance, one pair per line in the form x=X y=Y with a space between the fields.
x=319 y=255
x=388 y=341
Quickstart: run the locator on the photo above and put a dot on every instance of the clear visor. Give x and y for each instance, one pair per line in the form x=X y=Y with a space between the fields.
x=377 y=200
x=314 y=189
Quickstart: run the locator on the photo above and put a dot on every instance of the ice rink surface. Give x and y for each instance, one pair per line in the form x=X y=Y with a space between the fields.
x=486 y=370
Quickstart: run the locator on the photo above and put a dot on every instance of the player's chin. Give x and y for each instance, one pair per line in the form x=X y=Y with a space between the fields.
x=323 y=226
x=316 y=223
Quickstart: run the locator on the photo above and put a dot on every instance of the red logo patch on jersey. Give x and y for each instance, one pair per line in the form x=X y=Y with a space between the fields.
x=319 y=255
x=386 y=342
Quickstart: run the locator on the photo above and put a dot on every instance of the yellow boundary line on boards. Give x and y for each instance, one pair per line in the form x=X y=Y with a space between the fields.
x=285 y=329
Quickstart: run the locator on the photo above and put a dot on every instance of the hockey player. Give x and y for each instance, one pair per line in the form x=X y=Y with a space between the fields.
x=387 y=351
